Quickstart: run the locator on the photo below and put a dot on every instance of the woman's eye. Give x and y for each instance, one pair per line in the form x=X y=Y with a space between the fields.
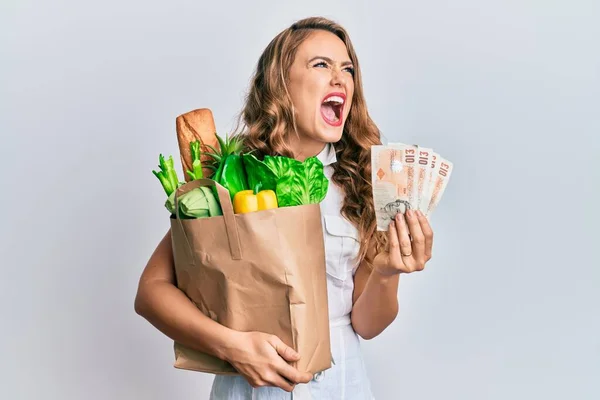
x=324 y=64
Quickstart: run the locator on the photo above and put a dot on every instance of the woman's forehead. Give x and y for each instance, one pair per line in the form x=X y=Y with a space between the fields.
x=323 y=44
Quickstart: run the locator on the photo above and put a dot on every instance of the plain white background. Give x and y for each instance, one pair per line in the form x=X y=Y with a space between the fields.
x=507 y=90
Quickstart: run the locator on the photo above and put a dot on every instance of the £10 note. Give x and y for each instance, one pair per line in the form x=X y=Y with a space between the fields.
x=439 y=184
x=392 y=177
x=422 y=174
x=432 y=170
x=406 y=177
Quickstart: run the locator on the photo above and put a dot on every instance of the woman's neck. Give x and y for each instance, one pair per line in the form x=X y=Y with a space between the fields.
x=305 y=148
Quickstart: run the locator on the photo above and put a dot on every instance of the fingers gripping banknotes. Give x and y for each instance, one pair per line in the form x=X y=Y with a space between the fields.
x=406 y=177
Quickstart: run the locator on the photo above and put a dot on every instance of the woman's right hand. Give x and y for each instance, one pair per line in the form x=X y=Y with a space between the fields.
x=262 y=359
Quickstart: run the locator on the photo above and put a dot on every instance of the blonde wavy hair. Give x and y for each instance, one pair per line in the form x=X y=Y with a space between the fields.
x=268 y=119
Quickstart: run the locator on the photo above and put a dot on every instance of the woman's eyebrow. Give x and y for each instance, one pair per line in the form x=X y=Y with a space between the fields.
x=329 y=60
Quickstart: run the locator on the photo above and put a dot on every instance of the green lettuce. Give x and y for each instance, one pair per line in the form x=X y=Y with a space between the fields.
x=295 y=183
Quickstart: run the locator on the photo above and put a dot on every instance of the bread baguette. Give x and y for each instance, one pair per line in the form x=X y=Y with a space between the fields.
x=196 y=125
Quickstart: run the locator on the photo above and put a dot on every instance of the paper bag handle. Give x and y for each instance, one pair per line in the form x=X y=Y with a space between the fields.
x=226 y=207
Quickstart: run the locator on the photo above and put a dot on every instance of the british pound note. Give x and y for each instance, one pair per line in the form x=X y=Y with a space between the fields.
x=422 y=174
x=432 y=171
x=407 y=177
x=418 y=161
x=393 y=179
x=440 y=182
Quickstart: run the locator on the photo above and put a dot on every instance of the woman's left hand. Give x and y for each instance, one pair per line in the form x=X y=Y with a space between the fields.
x=406 y=255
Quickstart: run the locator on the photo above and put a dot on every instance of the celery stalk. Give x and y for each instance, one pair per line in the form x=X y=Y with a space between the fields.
x=167 y=174
x=196 y=172
x=166 y=184
x=172 y=173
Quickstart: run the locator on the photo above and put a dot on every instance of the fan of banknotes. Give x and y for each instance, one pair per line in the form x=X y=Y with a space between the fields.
x=406 y=177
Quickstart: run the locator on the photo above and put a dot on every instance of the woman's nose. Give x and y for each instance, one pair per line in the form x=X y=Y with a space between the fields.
x=337 y=79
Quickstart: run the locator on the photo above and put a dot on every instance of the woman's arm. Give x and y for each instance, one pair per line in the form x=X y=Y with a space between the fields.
x=166 y=307
x=376 y=291
x=375 y=301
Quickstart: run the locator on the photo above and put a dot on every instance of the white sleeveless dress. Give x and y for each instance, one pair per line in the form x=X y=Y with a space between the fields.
x=347 y=378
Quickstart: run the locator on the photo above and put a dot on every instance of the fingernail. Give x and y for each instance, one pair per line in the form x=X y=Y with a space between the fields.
x=419 y=213
x=409 y=213
x=392 y=224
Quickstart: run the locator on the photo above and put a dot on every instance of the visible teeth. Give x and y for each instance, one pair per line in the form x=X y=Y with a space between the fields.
x=334 y=99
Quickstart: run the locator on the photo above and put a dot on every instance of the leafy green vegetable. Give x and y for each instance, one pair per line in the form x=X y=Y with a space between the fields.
x=298 y=182
x=294 y=182
x=197 y=203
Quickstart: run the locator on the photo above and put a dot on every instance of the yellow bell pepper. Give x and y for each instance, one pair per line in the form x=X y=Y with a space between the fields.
x=246 y=201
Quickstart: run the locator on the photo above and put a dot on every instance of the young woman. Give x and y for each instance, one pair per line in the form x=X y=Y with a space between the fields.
x=306 y=99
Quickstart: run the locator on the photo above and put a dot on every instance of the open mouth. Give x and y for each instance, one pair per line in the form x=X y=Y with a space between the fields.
x=332 y=107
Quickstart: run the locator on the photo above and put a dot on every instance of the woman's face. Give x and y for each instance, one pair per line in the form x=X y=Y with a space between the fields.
x=321 y=85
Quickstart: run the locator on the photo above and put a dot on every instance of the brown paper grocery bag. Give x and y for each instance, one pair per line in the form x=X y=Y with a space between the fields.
x=260 y=271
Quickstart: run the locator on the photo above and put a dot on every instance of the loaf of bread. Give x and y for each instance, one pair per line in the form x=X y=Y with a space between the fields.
x=196 y=125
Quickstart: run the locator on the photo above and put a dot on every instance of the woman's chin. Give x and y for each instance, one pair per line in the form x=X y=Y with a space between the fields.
x=335 y=138
x=328 y=137
x=331 y=134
